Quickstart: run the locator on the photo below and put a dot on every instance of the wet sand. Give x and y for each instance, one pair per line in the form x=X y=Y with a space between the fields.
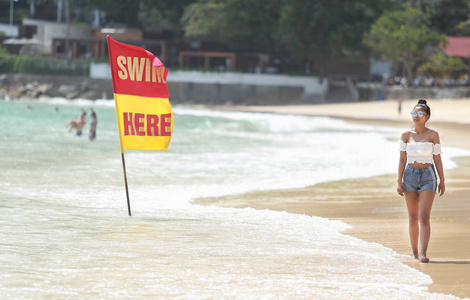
x=372 y=206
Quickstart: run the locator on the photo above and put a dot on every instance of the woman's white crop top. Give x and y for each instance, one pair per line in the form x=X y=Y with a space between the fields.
x=420 y=152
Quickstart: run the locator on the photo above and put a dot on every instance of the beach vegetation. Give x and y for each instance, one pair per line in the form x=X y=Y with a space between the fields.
x=3 y=51
x=162 y=16
x=294 y=32
x=403 y=36
x=463 y=26
x=446 y=15
x=299 y=37
x=41 y=65
x=440 y=65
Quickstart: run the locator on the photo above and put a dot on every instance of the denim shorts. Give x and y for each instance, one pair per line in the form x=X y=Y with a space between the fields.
x=417 y=180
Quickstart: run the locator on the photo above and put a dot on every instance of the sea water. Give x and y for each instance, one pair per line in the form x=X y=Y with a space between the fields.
x=65 y=232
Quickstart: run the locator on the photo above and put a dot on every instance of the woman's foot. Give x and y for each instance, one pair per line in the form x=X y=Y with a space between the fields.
x=423 y=259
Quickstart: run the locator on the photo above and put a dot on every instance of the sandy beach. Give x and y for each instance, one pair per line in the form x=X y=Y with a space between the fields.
x=372 y=206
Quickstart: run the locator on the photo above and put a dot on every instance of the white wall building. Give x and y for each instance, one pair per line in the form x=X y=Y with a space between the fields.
x=46 y=31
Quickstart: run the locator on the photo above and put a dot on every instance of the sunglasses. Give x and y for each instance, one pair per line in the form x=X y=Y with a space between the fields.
x=415 y=113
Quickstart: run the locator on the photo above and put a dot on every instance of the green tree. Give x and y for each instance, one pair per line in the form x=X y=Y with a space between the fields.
x=119 y=12
x=446 y=15
x=324 y=29
x=158 y=16
x=463 y=28
x=163 y=17
x=297 y=30
x=236 y=22
x=440 y=65
x=403 y=36
x=3 y=51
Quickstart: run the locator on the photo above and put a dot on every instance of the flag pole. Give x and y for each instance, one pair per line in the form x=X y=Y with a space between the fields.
x=125 y=182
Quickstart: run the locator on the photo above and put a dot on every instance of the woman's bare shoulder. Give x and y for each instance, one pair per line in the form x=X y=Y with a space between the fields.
x=405 y=136
x=434 y=136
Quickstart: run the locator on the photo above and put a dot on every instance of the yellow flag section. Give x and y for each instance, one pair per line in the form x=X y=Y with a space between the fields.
x=144 y=123
x=143 y=109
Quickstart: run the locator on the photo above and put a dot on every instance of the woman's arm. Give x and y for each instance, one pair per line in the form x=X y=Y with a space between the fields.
x=401 y=170
x=439 y=168
x=401 y=167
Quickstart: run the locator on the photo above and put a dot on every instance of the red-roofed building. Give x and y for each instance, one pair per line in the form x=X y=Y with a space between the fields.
x=458 y=46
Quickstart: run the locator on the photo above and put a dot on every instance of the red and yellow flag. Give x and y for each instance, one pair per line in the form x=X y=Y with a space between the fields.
x=143 y=108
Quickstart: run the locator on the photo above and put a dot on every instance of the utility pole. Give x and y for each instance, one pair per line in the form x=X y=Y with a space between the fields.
x=11 y=12
x=67 y=37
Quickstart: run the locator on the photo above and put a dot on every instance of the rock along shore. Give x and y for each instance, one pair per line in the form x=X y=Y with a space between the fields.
x=28 y=86
x=17 y=86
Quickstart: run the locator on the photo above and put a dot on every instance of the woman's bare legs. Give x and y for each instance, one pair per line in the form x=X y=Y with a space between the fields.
x=412 y=203
x=426 y=199
x=419 y=212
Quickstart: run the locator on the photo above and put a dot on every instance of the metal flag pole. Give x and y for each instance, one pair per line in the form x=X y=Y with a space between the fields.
x=125 y=182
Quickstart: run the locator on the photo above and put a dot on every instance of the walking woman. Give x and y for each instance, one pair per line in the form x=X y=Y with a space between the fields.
x=420 y=157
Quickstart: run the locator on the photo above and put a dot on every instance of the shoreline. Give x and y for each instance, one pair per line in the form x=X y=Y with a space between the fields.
x=371 y=206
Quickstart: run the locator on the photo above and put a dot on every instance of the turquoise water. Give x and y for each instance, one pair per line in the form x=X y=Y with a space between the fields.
x=65 y=233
